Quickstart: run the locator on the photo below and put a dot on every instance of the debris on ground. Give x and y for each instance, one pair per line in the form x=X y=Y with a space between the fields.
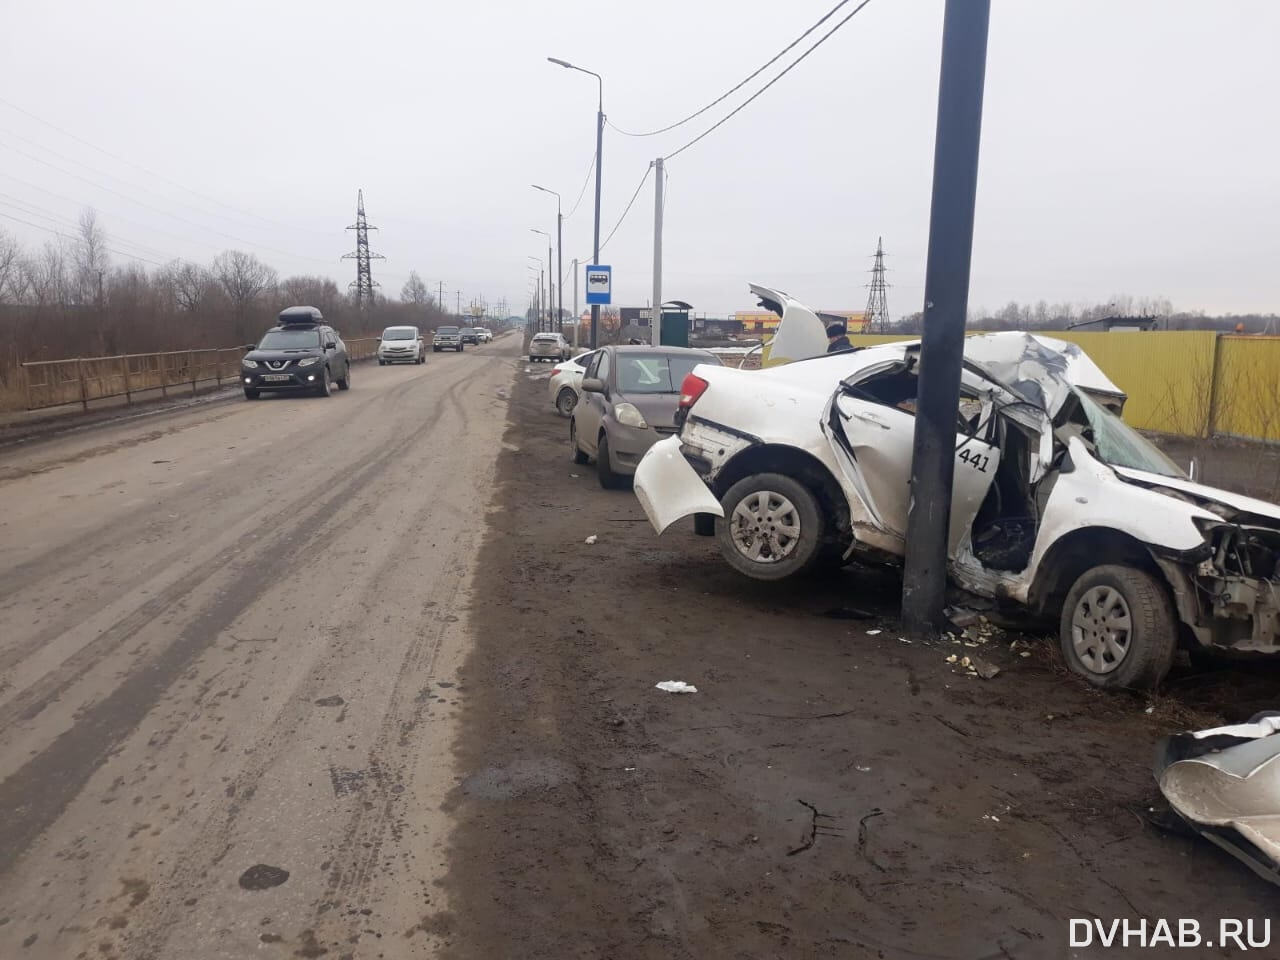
x=874 y=633
x=590 y=540
x=676 y=686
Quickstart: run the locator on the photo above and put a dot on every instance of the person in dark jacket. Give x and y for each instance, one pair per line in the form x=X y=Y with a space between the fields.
x=837 y=339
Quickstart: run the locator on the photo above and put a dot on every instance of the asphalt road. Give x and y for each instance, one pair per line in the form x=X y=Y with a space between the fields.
x=229 y=638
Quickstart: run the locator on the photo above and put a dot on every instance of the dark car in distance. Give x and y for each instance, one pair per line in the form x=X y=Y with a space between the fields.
x=446 y=338
x=470 y=335
x=301 y=354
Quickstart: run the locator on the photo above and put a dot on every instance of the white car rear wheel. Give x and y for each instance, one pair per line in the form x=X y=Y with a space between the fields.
x=772 y=527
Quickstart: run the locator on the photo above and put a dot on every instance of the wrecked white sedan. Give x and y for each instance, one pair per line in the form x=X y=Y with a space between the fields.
x=1058 y=504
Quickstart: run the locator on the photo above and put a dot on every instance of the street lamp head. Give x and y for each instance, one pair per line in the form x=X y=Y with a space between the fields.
x=562 y=63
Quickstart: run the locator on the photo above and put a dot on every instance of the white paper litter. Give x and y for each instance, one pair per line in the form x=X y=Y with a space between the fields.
x=590 y=540
x=676 y=686
x=874 y=633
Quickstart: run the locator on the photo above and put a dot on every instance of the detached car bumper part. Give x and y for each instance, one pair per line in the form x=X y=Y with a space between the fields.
x=1225 y=783
x=669 y=489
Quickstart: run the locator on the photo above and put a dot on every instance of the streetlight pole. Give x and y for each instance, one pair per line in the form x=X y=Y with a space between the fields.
x=559 y=263
x=595 y=249
x=547 y=291
x=946 y=297
x=537 y=283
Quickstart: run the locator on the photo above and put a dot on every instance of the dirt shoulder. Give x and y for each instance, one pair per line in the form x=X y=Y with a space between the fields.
x=829 y=790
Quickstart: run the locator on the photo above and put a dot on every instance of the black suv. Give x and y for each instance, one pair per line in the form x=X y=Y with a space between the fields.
x=303 y=353
x=470 y=335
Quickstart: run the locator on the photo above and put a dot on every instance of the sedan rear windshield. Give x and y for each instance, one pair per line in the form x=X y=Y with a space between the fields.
x=400 y=333
x=447 y=330
x=290 y=339
x=544 y=337
x=656 y=373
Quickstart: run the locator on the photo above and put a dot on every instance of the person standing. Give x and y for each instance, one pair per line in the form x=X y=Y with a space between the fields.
x=837 y=337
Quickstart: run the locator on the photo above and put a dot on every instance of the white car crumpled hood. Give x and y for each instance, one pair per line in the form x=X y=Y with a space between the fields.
x=1236 y=501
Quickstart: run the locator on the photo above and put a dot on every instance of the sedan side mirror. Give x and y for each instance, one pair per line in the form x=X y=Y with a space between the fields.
x=592 y=385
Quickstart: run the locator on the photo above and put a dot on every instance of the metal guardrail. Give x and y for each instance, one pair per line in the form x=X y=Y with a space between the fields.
x=56 y=383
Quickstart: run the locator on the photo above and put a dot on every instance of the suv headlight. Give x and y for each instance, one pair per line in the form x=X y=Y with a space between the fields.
x=627 y=415
x=308 y=361
x=249 y=364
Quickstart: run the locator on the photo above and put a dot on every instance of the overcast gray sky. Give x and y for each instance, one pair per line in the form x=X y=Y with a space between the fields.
x=1128 y=145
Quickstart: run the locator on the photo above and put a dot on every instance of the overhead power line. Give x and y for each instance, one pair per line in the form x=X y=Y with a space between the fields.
x=791 y=66
x=147 y=171
x=583 y=192
x=625 y=211
x=724 y=96
x=162 y=212
x=29 y=209
x=57 y=233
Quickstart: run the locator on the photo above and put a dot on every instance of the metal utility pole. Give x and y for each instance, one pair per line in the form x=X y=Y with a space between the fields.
x=946 y=299
x=595 y=248
x=577 y=317
x=876 y=316
x=457 y=311
x=440 y=296
x=364 y=282
x=655 y=322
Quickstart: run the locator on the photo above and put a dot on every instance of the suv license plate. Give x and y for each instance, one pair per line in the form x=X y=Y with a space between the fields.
x=276 y=377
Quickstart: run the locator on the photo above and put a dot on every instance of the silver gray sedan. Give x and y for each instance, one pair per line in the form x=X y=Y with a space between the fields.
x=628 y=402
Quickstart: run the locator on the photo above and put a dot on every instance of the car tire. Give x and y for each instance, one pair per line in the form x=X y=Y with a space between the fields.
x=325 y=387
x=579 y=457
x=609 y=478
x=251 y=393
x=382 y=363
x=345 y=382
x=1117 y=628
x=435 y=349
x=786 y=502
x=566 y=400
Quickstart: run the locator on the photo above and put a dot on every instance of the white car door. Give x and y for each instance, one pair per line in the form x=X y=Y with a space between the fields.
x=872 y=441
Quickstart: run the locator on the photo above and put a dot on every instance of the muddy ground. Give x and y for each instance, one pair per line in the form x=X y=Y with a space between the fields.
x=829 y=790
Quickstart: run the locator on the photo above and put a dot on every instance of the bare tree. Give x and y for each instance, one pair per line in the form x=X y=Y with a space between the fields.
x=190 y=284
x=90 y=258
x=415 y=291
x=10 y=268
x=244 y=278
x=319 y=292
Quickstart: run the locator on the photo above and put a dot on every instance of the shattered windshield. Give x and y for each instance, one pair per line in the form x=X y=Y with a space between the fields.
x=1119 y=445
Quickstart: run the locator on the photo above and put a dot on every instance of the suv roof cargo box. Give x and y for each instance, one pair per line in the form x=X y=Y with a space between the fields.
x=292 y=315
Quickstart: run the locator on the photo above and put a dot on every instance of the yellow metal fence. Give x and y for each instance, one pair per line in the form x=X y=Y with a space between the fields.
x=1194 y=383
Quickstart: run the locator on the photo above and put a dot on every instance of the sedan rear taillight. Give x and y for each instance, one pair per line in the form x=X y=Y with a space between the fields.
x=691 y=389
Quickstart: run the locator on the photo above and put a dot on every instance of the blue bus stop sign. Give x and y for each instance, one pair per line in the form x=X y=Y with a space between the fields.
x=599 y=284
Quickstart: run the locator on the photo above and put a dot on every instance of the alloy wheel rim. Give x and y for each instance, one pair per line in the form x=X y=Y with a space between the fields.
x=765 y=527
x=1101 y=629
